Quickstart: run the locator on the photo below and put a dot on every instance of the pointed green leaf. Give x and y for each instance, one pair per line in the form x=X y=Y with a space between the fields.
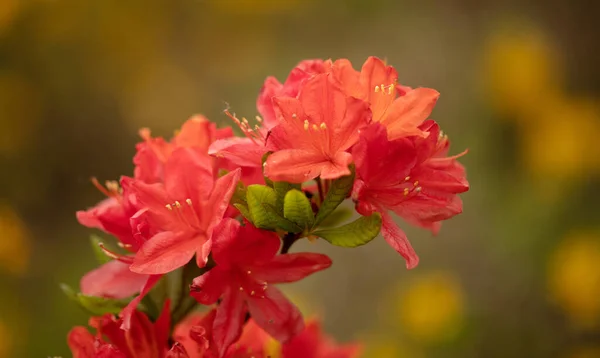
x=244 y=211
x=281 y=188
x=297 y=209
x=95 y=305
x=339 y=190
x=101 y=257
x=281 y=222
x=239 y=195
x=356 y=233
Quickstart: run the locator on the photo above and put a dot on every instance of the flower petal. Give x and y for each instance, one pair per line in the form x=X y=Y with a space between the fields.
x=397 y=239
x=165 y=252
x=197 y=132
x=219 y=199
x=234 y=244
x=406 y=113
x=240 y=151
x=208 y=287
x=228 y=324
x=276 y=314
x=291 y=267
x=128 y=311
x=295 y=166
x=81 y=343
x=112 y=280
x=188 y=174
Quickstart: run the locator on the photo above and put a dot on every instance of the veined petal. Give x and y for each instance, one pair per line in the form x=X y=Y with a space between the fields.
x=112 y=280
x=346 y=132
x=240 y=151
x=290 y=131
x=397 y=239
x=235 y=244
x=338 y=167
x=154 y=198
x=347 y=77
x=406 y=113
x=227 y=327
x=165 y=252
x=208 y=287
x=219 y=199
x=291 y=267
x=276 y=314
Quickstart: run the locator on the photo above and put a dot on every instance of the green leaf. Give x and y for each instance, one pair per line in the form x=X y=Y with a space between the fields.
x=258 y=198
x=244 y=211
x=102 y=258
x=356 y=233
x=95 y=305
x=281 y=188
x=283 y=223
x=239 y=195
x=297 y=209
x=338 y=216
x=338 y=191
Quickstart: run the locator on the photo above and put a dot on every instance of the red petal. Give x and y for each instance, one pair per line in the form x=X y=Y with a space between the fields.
x=407 y=112
x=234 y=244
x=162 y=326
x=141 y=337
x=196 y=132
x=208 y=287
x=396 y=238
x=81 y=343
x=264 y=103
x=227 y=327
x=219 y=199
x=109 y=351
x=345 y=133
x=276 y=314
x=177 y=351
x=165 y=252
x=338 y=167
x=295 y=166
x=188 y=175
x=291 y=267
x=154 y=198
x=374 y=72
x=113 y=280
x=240 y=151
x=131 y=307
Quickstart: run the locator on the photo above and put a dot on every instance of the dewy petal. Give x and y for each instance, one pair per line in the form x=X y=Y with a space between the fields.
x=240 y=151
x=227 y=327
x=112 y=280
x=295 y=166
x=291 y=267
x=128 y=311
x=406 y=113
x=188 y=175
x=397 y=239
x=208 y=287
x=235 y=244
x=81 y=343
x=276 y=314
x=165 y=252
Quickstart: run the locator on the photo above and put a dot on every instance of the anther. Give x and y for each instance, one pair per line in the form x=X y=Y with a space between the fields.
x=407 y=178
x=390 y=89
x=251 y=293
x=306 y=124
x=314 y=126
x=294 y=115
x=188 y=201
x=168 y=206
x=418 y=189
x=406 y=191
x=241 y=288
x=244 y=120
x=177 y=204
x=416 y=183
x=376 y=89
x=258 y=119
x=323 y=126
x=249 y=272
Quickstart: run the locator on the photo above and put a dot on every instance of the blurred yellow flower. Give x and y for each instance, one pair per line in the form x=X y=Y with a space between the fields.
x=574 y=278
x=5 y=341
x=431 y=308
x=561 y=141
x=520 y=70
x=14 y=246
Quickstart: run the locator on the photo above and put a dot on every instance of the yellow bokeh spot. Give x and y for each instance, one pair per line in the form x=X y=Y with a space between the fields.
x=561 y=141
x=520 y=69
x=273 y=348
x=5 y=341
x=14 y=245
x=574 y=278
x=431 y=308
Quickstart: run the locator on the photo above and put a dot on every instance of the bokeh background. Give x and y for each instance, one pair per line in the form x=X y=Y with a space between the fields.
x=517 y=275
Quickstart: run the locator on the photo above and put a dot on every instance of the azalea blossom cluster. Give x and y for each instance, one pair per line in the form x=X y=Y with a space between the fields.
x=208 y=219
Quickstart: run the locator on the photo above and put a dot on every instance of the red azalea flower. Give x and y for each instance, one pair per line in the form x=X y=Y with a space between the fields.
x=314 y=132
x=246 y=266
x=412 y=177
x=195 y=334
x=178 y=216
x=312 y=343
x=376 y=83
x=144 y=340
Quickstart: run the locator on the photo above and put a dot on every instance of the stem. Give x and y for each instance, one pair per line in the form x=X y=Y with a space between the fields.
x=288 y=241
x=320 y=186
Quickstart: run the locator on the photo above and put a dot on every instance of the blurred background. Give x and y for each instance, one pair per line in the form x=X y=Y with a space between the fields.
x=517 y=275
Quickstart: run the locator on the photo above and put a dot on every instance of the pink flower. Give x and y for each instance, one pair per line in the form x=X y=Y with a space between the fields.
x=312 y=343
x=247 y=265
x=376 y=84
x=412 y=177
x=178 y=216
x=314 y=132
